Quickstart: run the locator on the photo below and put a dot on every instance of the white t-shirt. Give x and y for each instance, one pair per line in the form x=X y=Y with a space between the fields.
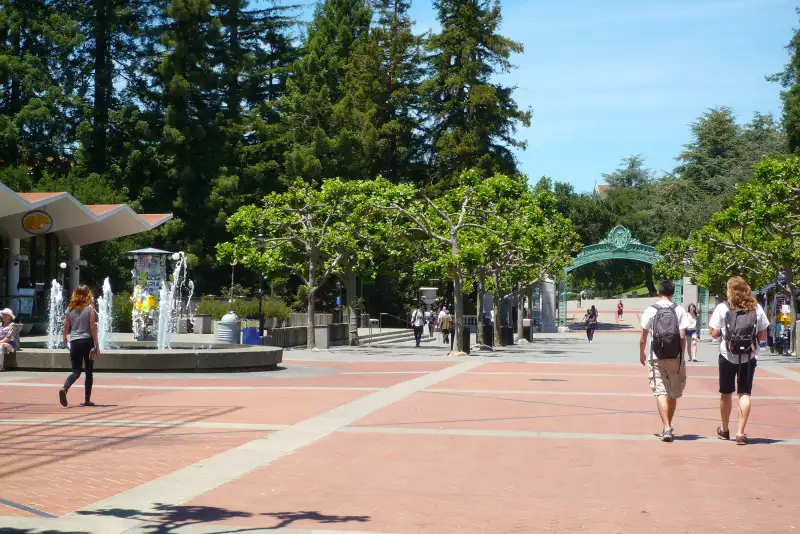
x=418 y=318
x=717 y=322
x=692 y=325
x=650 y=314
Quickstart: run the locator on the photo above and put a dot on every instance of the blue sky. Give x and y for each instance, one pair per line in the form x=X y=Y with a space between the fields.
x=610 y=79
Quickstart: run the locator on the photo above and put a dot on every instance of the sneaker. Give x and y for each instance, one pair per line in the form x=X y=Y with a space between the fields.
x=723 y=434
x=666 y=436
x=88 y=403
x=741 y=439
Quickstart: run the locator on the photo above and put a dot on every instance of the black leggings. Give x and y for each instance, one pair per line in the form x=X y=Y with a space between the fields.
x=79 y=354
x=590 y=332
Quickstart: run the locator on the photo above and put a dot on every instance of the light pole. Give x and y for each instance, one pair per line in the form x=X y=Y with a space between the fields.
x=233 y=268
x=63 y=267
x=261 y=240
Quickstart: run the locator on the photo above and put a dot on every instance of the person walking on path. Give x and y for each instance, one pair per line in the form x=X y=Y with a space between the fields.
x=445 y=322
x=9 y=335
x=740 y=324
x=661 y=349
x=619 y=312
x=418 y=322
x=430 y=320
x=591 y=323
x=691 y=332
x=81 y=325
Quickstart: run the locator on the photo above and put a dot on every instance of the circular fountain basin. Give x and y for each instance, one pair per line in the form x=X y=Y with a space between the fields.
x=144 y=356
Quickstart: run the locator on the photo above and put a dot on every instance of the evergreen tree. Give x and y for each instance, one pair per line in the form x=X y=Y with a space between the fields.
x=790 y=81
x=383 y=76
x=40 y=94
x=473 y=119
x=325 y=133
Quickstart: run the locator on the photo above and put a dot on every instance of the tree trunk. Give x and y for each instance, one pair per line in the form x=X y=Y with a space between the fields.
x=458 y=312
x=530 y=308
x=311 y=342
x=498 y=340
x=102 y=85
x=520 y=304
x=648 y=279
x=481 y=291
x=350 y=289
x=792 y=305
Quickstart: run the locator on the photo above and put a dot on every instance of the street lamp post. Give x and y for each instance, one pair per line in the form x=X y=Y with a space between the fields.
x=262 y=241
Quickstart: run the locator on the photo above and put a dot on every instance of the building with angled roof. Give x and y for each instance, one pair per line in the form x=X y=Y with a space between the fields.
x=50 y=220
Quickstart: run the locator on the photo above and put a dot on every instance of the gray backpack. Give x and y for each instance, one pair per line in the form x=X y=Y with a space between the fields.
x=666 y=342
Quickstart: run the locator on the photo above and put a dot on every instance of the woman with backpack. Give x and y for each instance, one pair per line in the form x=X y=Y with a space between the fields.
x=740 y=324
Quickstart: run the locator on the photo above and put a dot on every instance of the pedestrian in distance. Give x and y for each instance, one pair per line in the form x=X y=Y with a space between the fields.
x=661 y=349
x=591 y=323
x=418 y=322
x=692 y=336
x=619 y=311
x=81 y=326
x=9 y=335
x=739 y=324
x=445 y=324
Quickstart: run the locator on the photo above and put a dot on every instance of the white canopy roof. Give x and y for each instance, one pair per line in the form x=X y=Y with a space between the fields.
x=74 y=223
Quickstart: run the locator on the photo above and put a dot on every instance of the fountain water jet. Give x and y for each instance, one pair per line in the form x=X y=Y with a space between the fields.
x=105 y=316
x=55 y=312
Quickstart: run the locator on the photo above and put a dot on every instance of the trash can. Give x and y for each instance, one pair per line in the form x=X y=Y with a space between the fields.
x=507 y=335
x=466 y=339
x=250 y=327
x=488 y=335
x=227 y=331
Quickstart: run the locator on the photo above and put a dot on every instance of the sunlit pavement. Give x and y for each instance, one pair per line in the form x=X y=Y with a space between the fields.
x=556 y=435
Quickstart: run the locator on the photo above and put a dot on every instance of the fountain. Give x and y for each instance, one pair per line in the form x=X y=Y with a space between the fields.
x=55 y=312
x=158 y=304
x=105 y=316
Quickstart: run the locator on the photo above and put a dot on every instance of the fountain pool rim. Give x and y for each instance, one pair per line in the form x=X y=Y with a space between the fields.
x=144 y=356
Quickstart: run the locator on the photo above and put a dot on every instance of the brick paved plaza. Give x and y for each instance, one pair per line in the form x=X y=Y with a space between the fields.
x=555 y=436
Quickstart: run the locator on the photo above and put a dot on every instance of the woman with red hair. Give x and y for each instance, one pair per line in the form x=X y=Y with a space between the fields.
x=81 y=325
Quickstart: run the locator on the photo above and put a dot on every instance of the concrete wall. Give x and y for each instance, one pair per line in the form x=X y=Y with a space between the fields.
x=296 y=336
x=549 y=317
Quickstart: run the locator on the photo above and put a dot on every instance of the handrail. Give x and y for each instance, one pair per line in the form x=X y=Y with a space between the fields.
x=380 y=320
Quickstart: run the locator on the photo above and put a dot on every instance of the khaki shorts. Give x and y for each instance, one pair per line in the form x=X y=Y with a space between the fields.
x=667 y=377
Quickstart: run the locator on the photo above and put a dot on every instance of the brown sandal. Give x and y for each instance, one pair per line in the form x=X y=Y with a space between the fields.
x=741 y=440
x=723 y=434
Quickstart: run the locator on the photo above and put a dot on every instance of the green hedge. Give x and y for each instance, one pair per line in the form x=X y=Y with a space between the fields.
x=123 y=313
x=271 y=307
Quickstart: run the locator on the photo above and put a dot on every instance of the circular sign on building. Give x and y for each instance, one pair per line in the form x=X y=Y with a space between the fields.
x=37 y=222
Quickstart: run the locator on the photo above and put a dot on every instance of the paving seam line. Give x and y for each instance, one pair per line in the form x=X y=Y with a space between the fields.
x=201 y=477
x=198 y=388
x=585 y=393
x=156 y=424
x=537 y=435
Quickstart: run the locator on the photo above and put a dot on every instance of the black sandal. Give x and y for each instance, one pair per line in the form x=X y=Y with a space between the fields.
x=62 y=397
x=88 y=403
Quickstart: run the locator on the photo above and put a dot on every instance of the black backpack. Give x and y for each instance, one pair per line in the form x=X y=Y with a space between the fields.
x=666 y=342
x=741 y=330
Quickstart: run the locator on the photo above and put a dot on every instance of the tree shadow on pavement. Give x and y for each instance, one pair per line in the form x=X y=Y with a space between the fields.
x=9 y=530
x=166 y=518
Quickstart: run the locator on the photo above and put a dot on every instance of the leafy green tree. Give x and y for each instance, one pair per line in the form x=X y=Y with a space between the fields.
x=756 y=236
x=473 y=119
x=309 y=232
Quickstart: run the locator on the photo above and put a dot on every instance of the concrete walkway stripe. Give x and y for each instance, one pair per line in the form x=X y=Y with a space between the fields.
x=206 y=475
x=28 y=509
x=583 y=393
x=165 y=424
x=778 y=370
x=593 y=375
x=200 y=388
x=547 y=435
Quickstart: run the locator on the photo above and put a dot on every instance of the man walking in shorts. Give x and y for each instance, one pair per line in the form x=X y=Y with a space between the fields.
x=661 y=349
